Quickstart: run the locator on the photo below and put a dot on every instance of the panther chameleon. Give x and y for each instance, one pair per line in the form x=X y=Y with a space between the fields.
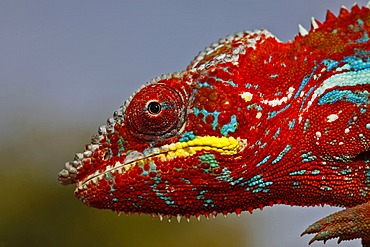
x=251 y=122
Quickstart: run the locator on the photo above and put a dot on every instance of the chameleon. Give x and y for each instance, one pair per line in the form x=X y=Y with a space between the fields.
x=251 y=122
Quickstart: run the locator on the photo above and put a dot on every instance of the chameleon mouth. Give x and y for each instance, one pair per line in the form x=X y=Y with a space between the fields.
x=222 y=145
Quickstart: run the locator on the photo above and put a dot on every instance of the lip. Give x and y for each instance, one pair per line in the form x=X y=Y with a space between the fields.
x=222 y=145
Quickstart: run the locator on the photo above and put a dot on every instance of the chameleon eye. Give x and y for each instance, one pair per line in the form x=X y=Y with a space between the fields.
x=154 y=107
x=156 y=111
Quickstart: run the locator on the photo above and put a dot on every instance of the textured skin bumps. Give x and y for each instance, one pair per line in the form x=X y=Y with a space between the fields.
x=251 y=122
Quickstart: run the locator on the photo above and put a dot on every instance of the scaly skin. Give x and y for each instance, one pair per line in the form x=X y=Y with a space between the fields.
x=252 y=122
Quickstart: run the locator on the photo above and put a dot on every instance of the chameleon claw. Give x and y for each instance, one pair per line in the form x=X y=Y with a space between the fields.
x=311 y=241
x=315 y=239
x=347 y=224
x=321 y=236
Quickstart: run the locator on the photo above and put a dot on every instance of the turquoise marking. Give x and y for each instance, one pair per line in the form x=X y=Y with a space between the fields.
x=306 y=125
x=277 y=133
x=364 y=193
x=363 y=39
x=187 y=136
x=201 y=193
x=346 y=171
x=353 y=62
x=368 y=126
x=277 y=94
x=258 y=181
x=166 y=199
x=330 y=64
x=300 y=172
x=362 y=110
x=248 y=85
x=357 y=97
x=147 y=151
x=367 y=174
x=357 y=63
x=120 y=144
x=254 y=180
x=237 y=181
x=315 y=172
x=306 y=97
x=166 y=106
x=108 y=176
x=207 y=202
x=153 y=166
x=225 y=176
x=291 y=124
x=205 y=113
x=115 y=200
x=304 y=82
x=230 y=127
x=254 y=106
x=209 y=159
x=274 y=113
x=232 y=83
x=274 y=75
x=204 y=84
x=229 y=179
x=281 y=155
x=187 y=181
x=259 y=189
x=307 y=157
x=263 y=161
x=360 y=22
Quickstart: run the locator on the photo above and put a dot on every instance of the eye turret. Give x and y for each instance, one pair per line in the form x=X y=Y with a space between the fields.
x=156 y=111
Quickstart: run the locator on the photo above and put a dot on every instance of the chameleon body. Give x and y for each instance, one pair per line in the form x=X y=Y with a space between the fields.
x=251 y=122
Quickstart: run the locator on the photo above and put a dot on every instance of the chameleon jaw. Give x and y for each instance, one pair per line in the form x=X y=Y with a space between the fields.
x=222 y=145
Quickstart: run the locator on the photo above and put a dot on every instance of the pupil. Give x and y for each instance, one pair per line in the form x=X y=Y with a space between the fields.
x=154 y=107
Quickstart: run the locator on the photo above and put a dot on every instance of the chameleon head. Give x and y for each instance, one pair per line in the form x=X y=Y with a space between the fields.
x=136 y=162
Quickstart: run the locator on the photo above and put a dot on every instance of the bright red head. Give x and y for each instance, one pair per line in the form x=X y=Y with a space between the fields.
x=251 y=122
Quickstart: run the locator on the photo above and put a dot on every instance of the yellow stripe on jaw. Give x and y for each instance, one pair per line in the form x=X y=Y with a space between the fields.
x=222 y=145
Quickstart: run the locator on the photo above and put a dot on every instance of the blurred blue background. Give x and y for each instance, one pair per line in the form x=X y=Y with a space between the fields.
x=65 y=66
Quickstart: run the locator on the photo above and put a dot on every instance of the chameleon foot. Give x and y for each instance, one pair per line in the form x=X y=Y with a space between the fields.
x=348 y=224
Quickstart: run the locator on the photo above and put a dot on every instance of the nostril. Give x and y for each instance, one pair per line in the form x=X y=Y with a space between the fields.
x=106 y=156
